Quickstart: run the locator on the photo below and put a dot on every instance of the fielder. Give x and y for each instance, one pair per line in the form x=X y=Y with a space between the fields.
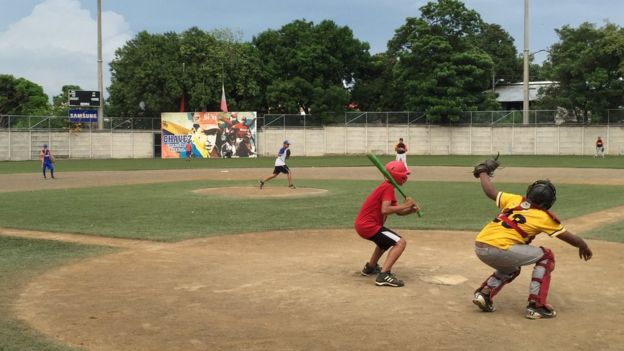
x=280 y=166
x=401 y=149
x=599 y=148
x=369 y=224
x=503 y=244
x=47 y=161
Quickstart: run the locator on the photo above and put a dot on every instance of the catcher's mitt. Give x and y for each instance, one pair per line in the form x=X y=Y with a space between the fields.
x=287 y=153
x=487 y=166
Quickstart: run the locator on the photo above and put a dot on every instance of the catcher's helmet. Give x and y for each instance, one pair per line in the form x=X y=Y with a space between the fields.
x=542 y=193
x=398 y=171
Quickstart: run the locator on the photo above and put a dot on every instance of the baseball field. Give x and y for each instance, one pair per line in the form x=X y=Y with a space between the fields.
x=176 y=255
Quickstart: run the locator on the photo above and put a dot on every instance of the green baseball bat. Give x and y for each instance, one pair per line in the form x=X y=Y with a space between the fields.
x=383 y=171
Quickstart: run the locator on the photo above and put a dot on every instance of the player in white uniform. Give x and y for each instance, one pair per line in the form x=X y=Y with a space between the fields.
x=280 y=166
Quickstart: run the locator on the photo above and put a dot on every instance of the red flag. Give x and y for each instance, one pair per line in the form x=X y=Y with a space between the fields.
x=182 y=103
x=223 y=102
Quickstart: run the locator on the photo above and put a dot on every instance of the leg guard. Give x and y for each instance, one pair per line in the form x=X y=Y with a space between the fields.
x=494 y=283
x=540 y=282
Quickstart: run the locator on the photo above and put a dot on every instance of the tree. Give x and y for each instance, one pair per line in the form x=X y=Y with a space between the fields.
x=497 y=43
x=440 y=66
x=216 y=58
x=20 y=97
x=587 y=63
x=161 y=69
x=310 y=66
x=373 y=91
x=147 y=69
x=60 y=103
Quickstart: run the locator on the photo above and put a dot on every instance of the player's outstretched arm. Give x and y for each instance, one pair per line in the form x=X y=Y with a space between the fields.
x=576 y=241
x=487 y=186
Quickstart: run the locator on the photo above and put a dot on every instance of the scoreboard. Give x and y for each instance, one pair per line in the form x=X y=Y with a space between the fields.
x=84 y=98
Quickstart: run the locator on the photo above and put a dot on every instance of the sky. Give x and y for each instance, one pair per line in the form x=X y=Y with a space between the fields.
x=54 y=42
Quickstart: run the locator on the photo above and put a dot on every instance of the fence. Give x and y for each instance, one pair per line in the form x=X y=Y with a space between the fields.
x=479 y=132
x=512 y=117
x=21 y=137
x=17 y=123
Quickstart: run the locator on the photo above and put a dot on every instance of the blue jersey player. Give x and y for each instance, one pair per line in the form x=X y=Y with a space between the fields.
x=47 y=161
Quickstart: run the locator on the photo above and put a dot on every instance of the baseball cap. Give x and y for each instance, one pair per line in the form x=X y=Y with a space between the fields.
x=45 y=146
x=286 y=142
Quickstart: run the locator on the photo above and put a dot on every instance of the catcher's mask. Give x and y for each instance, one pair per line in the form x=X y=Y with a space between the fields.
x=398 y=171
x=542 y=193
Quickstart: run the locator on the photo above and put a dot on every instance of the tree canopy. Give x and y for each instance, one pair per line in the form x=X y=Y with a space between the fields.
x=439 y=63
x=309 y=65
x=160 y=70
x=588 y=65
x=19 y=96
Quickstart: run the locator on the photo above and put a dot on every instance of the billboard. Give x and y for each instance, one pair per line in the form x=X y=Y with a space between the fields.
x=83 y=116
x=209 y=134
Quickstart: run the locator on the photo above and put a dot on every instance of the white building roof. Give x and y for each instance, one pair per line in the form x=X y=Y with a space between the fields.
x=514 y=92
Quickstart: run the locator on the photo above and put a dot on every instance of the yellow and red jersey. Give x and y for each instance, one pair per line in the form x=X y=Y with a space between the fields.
x=518 y=223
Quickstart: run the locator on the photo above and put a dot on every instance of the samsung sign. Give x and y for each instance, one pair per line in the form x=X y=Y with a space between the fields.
x=83 y=116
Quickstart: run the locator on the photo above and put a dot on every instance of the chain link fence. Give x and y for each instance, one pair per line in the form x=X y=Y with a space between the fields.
x=536 y=117
x=512 y=117
x=21 y=123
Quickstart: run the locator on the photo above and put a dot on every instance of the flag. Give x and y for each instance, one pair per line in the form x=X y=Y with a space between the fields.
x=182 y=103
x=223 y=102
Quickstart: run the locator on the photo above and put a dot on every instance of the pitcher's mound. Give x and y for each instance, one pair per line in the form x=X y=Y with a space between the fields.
x=252 y=191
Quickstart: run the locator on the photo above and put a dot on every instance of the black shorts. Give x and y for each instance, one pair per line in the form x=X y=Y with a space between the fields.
x=385 y=238
x=281 y=169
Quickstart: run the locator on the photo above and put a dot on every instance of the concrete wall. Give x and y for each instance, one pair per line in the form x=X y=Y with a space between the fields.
x=25 y=145
x=337 y=140
x=440 y=140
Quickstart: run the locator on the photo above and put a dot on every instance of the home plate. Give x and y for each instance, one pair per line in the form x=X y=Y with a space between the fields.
x=444 y=279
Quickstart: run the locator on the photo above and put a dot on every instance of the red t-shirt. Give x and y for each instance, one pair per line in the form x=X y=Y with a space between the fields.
x=370 y=219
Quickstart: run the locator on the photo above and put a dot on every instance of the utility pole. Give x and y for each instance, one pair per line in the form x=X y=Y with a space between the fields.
x=525 y=101
x=100 y=82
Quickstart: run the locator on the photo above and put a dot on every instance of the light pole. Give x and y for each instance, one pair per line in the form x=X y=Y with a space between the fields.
x=495 y=81
x=100 y=82
x=525 y=100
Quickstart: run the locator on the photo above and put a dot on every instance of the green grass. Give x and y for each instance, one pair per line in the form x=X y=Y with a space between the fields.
x=325 y=161
x=171 y=211
x=20 y=261
x=611 y=232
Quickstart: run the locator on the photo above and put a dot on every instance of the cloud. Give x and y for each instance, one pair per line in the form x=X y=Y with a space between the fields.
x=56 y=45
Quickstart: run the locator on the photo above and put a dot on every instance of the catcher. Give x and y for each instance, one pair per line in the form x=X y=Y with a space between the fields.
x=47 y=161
x=280 y=166
x=504 y=243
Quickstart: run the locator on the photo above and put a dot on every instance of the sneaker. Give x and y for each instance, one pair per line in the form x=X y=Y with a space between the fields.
x=292 y=186
x=483 y=302
x=535 y=312
x=261 y=184
x=368 y=270
x=388 y=279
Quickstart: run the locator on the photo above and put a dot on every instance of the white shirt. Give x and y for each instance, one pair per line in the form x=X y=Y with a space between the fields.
x=281 y=157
